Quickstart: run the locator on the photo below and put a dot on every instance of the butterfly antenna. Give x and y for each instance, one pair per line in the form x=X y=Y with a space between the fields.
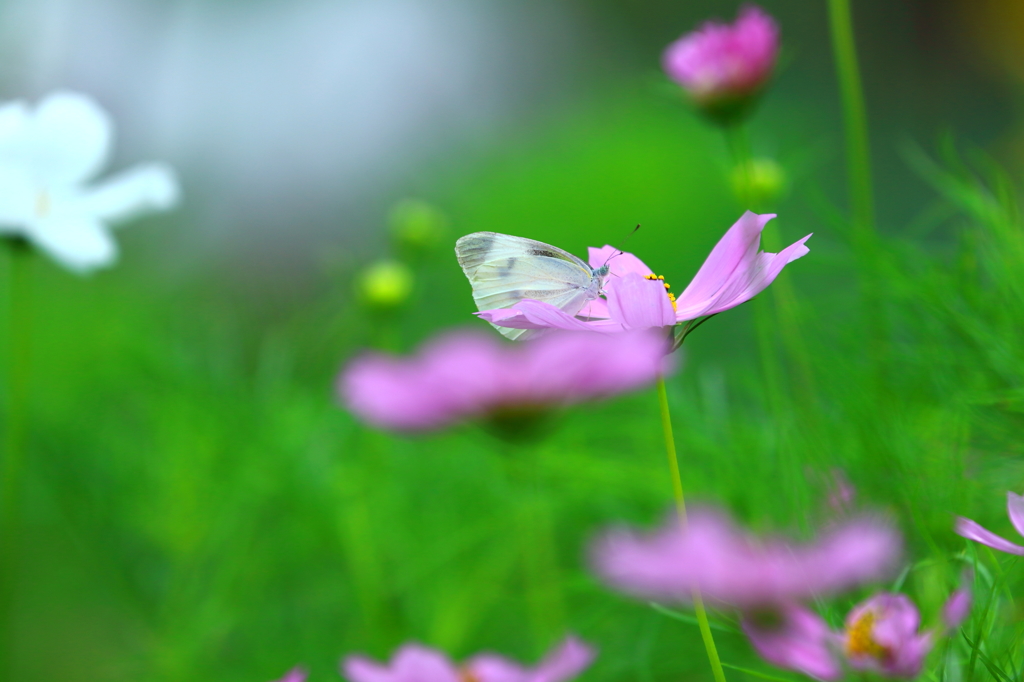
x=618 y=251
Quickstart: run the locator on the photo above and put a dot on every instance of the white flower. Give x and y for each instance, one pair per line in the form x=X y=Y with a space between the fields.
x=47 y=155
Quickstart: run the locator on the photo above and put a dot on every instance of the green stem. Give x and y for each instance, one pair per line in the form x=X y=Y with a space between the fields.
x=770 y=321
x=742 y=159
x=855 y=121
x=18 y=354
x=544 y=593
x=858 y=160
x=677 y=488
x=545 y=600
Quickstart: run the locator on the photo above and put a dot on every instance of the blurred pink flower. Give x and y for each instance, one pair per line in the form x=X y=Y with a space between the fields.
x=972 y=531
x=730 y=567
x=957 y=608
x=295 y=675
x=722 y=65
x=880 y=635
x=415 y=663
x=801 y=641
x=734 y=272
x=463 y=375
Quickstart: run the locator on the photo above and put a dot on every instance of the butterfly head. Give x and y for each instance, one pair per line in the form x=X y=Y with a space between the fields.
x=599 y=276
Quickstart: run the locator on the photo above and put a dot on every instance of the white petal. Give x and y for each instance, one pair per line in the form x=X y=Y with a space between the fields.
x=150 y=187
x=65 y=141
x=14 y=118
x=79 y=243
x=19 y=198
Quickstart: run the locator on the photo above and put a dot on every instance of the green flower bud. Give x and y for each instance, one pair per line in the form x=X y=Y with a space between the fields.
x=417 y=225
x=758 y=183
x=385 y=284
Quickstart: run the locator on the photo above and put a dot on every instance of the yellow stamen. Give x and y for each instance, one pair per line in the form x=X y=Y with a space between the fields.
x=42 y=204
x=661 y=278
x=859 y=641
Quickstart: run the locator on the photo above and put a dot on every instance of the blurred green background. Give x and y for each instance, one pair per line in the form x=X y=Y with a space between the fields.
x=196 y=504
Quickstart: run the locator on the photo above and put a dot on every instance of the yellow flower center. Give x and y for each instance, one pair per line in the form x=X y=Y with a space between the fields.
x=660 y=278
x=859 y=641
x=466 y=675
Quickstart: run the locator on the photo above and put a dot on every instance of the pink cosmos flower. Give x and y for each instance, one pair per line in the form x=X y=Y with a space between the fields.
x=463 y=375
x=972 y=531
x=721 y=65
x=730 y=567
x=416 y=663
x=880 y=635
x=734 y=272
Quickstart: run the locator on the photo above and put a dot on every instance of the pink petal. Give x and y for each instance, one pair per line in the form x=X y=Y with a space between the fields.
x=530 y=314
x=640 y=303
x=746 y=283
x=767 y=267
x=596 y=309
x=802 y=642
x=1015 y=509
x=492 y=668
x=730 y=567
x=972 y=531
x=896 y=619
x=508 y=317
x=910 y=657
x=411 y=662
x=565 y=662
x=362 y=669
x=736 y=250
x=620 y=263
x=957 y=608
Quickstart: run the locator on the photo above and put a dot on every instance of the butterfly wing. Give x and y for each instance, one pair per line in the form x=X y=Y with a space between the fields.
x=504 y=270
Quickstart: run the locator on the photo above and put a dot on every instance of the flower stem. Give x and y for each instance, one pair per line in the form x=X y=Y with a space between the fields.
x=742 y=159
x=540 y=561
x=677 y=488
x=858 y=162
x=18 y=354
x=858 y=158
x=537 y=544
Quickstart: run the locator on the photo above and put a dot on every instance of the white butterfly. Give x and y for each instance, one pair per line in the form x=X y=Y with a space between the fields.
x=505 y=270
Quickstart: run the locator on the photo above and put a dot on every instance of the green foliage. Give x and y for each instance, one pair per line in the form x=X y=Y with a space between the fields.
x=198 y=506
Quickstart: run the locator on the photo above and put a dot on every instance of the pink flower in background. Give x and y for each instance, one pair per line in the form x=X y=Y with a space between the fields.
x=730 y=567
x=295 y=675
x=721 y=65
x=880 y=635
x=415 y=663
x=957 y=608
x=734 y=272
x=972 y=531
x=463 y=375
x=799 y=641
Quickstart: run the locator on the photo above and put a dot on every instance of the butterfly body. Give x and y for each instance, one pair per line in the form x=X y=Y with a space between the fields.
x=505 y=270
